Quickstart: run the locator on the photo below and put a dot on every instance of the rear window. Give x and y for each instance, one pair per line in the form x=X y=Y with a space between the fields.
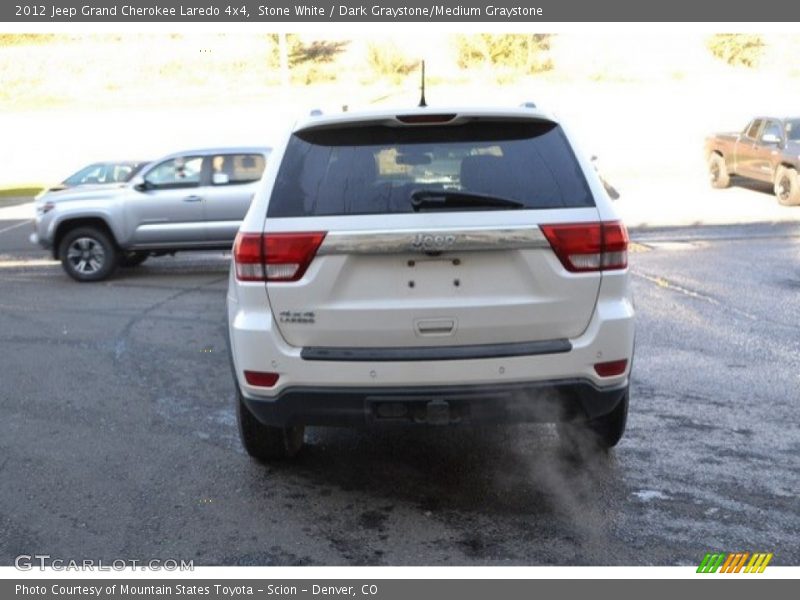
x=376 y=169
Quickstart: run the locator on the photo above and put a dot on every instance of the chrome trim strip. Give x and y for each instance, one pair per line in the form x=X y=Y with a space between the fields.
x=432 y=240
x=425 y=353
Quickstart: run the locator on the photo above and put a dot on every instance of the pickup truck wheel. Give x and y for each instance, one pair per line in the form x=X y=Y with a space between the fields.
x=601 y=433
x=718 y=172
x=787 y=186
x=87 y=254
x=132 y=259
x=264 y=442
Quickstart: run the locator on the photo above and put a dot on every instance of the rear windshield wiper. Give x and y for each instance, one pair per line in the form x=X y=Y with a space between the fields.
x=450 y=199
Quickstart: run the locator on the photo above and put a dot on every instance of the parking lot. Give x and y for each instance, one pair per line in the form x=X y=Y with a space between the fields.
x=118 y=436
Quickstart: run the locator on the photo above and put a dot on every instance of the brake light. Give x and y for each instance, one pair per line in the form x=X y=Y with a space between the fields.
x=274 y=256
x=584 y=247
x=247 y=255
x=425 y=119
x=615 y=246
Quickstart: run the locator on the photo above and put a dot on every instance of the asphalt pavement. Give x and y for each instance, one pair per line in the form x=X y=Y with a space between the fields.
x=118 y=435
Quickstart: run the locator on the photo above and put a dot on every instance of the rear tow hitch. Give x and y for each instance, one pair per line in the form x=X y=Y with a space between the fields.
x=437 y=412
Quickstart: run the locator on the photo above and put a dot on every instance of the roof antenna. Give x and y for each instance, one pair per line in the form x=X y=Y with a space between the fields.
x=422 y=102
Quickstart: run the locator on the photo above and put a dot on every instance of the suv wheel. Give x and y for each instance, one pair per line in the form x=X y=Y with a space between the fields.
x=787 y=186
x=602 y=432
x=264 y=442
x=87 y=254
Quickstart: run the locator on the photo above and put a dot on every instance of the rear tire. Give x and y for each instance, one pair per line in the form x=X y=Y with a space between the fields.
x=264 y=442
x=88 y=254
x=602 y=432
x=787 y=186
x=718 y=172
x=132 y=259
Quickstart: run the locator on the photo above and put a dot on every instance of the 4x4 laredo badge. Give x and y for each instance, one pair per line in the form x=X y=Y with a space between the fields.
x=297 y=316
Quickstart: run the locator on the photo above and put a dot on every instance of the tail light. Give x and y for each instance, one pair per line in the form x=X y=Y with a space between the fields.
x=274 y=256
x=583 y=247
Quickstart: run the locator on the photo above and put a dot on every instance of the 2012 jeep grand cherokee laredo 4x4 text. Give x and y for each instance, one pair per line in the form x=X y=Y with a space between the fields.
x=421 y=266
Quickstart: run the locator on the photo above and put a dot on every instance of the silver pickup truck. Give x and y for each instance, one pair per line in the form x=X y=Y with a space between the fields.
x=767 y=150
x=191 y=200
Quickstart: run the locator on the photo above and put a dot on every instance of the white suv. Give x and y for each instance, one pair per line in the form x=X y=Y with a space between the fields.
x=429 y=266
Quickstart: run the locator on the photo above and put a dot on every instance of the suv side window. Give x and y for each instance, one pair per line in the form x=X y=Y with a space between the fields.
x=232 y=169
x=752 y=131
x=176 y=172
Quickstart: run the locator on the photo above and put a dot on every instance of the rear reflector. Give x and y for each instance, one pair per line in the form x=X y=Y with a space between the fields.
x=274 y=256
x=612 y=368
x=261 y=379
x=583 y=247
x=423 y=119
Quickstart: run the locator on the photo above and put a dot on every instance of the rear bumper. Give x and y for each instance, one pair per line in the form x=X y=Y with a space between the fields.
x=548 y=401
x=257 y=346
x=344 y=387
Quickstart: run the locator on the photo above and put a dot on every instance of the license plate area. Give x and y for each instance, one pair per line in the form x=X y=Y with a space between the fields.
x=434 y=275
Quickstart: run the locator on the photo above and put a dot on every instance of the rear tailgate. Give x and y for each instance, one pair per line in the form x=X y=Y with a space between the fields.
x=497 y=283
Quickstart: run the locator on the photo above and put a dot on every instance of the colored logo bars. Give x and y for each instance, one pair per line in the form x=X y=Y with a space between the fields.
x=735 y=562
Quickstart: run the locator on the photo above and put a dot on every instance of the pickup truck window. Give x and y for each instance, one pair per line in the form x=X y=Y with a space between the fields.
x=752 y=131
x=772 y=128
x=792 y=128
